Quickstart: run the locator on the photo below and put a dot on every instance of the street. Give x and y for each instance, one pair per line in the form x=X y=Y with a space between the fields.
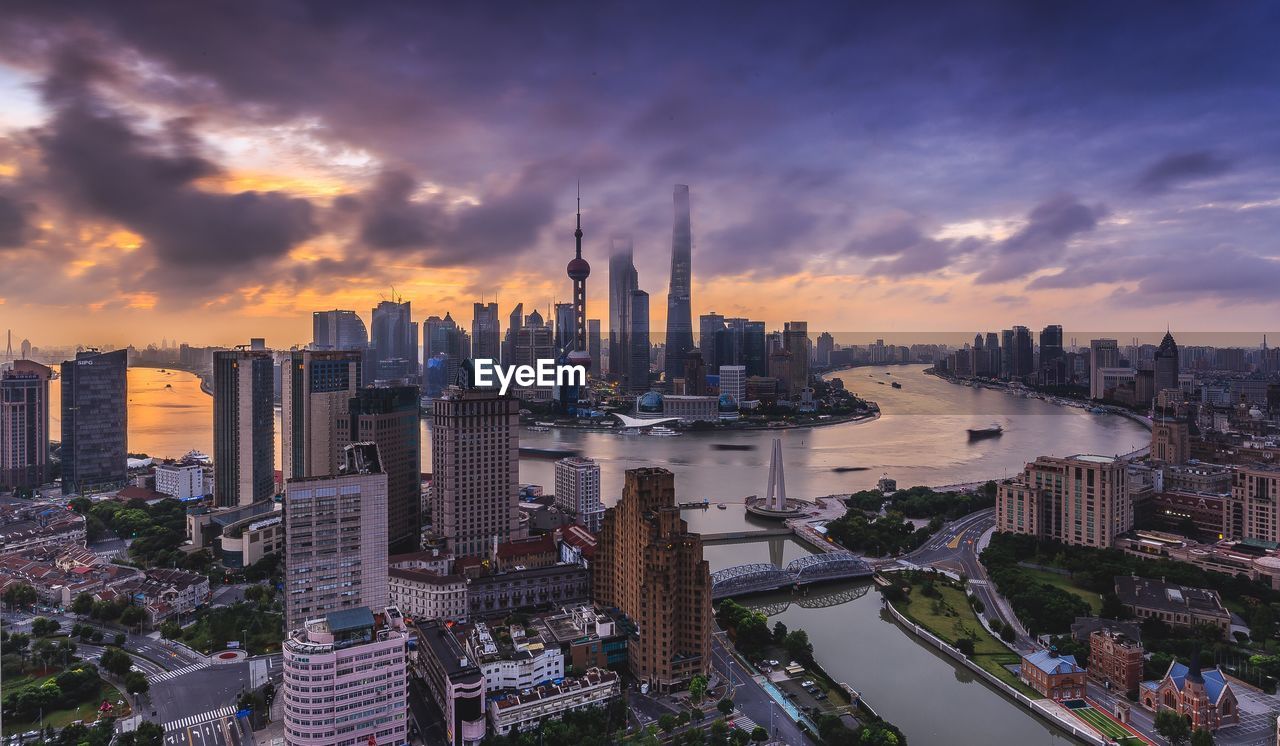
x=749 y=697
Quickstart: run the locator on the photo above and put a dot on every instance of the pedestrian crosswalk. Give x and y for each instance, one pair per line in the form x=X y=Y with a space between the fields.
x=744 y=723
x=175 y=673
x=206 y=717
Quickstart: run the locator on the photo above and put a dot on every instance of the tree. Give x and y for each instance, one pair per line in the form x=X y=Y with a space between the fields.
x=171 y=630
x=1007 y=632
x=698 y=688
x=725 y=706
x=43 y=626
x=965 y=645
x=798 y=646
x=1173 y=727
x=683 y=717
x=779 y=632
x=136 y=683
x=696 y=714
x=667 y=723
x=19 y=595
x=116 y=661
x=1262 y=622
x=132 y=616
x=1202 y=737
x=118 y=640
x=1112 y=608
x=759 y=734
x=82 y=605
x=146 y=734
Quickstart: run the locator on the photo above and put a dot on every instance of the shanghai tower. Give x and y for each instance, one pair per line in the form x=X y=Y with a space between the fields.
x=679 y=317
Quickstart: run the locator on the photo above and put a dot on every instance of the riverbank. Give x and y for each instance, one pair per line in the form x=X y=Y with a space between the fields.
x=206 y=377
x=988 y=658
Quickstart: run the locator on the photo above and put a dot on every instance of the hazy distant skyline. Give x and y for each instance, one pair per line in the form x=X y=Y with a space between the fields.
x=214 y=172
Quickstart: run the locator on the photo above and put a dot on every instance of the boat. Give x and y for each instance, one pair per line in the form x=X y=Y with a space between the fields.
x=732 y=447
x=168 y=385
x=629 y=431
x=896 y=385
x=197 y=457
x=658 y=431
x=843 y=469
x=538 y=429
x=991 y=431
x=722 y=506
x=544 y=424
x=880 y=382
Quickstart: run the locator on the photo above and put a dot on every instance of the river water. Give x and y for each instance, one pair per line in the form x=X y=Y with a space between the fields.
x=919 y=439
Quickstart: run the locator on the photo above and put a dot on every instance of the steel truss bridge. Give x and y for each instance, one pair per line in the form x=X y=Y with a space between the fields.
x=759 y=578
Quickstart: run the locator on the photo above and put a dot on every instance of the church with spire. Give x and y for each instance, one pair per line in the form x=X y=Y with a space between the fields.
x=1203 y=695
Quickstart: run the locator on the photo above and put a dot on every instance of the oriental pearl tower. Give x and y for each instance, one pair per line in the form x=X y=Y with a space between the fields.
x=578 y=271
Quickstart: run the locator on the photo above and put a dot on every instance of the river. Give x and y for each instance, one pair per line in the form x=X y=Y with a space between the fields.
x=919 y=439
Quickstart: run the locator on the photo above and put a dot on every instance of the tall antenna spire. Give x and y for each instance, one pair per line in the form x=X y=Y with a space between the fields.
x=577 y=234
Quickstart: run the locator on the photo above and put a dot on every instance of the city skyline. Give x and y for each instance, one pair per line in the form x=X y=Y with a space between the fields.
x=879 y=193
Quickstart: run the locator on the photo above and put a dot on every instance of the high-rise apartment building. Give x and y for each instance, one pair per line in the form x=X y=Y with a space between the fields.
x=679 y=314
x=1006 y=353
x=565 y=328
x=335 y=551
x=623 y=281
x=578 y=490
x=795 y=339
x=638 y=338
x=1081 y=500
x=1253 y=510
x=316 y=387
x=338 y=330
x=346 y=679
x=486 y=337
x=24 y=425
x=1103 y=354
x=650 y=566
x=475 y=470
x=825 y=346
x=244 y=427
x=394 y=341
x=387 y=416
x=95 y=421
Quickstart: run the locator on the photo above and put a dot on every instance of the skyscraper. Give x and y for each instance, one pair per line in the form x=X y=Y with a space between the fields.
x=244 y=433
x=1103 y=354
x=579 y=270
x=1053 y=357
x=395 y=346
x=95 y=421
x=387 y=416
x=336 y=538
x=485 y=331
x=593 y=343
x=755 y=354
x=709 y=325
x=578 y=490
x=533 y=341
x=1021 y=359
x=475 y=470
x=795 y=339
x=650 y=566
x=733 y=381
x=315 y=390
x=24 y=425
x=622 y=282
x=515 y=322
x=1166 y=364
x=565 y=330
x=1006 y=353
x=826 y=345
x=638 y=356
x=679 y=314
x=338 y=330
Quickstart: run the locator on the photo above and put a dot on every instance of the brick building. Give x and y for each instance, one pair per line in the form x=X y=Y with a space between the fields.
x=1057 y=677
x=1115 y=659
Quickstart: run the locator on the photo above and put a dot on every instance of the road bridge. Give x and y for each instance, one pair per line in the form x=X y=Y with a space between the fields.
x=760 y=578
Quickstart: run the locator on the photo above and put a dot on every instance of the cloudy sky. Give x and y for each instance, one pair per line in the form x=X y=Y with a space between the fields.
x=211 y=171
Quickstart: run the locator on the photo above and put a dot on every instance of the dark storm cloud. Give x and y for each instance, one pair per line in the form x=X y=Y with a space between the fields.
x=98 y=161
x=15 y=223
x=391 y=219
x=1039 y=243
x=1181 y=168
x=957 y=112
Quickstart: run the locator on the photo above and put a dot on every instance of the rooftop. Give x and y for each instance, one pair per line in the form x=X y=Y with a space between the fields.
x=1052 y=663
x=1149 y=593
